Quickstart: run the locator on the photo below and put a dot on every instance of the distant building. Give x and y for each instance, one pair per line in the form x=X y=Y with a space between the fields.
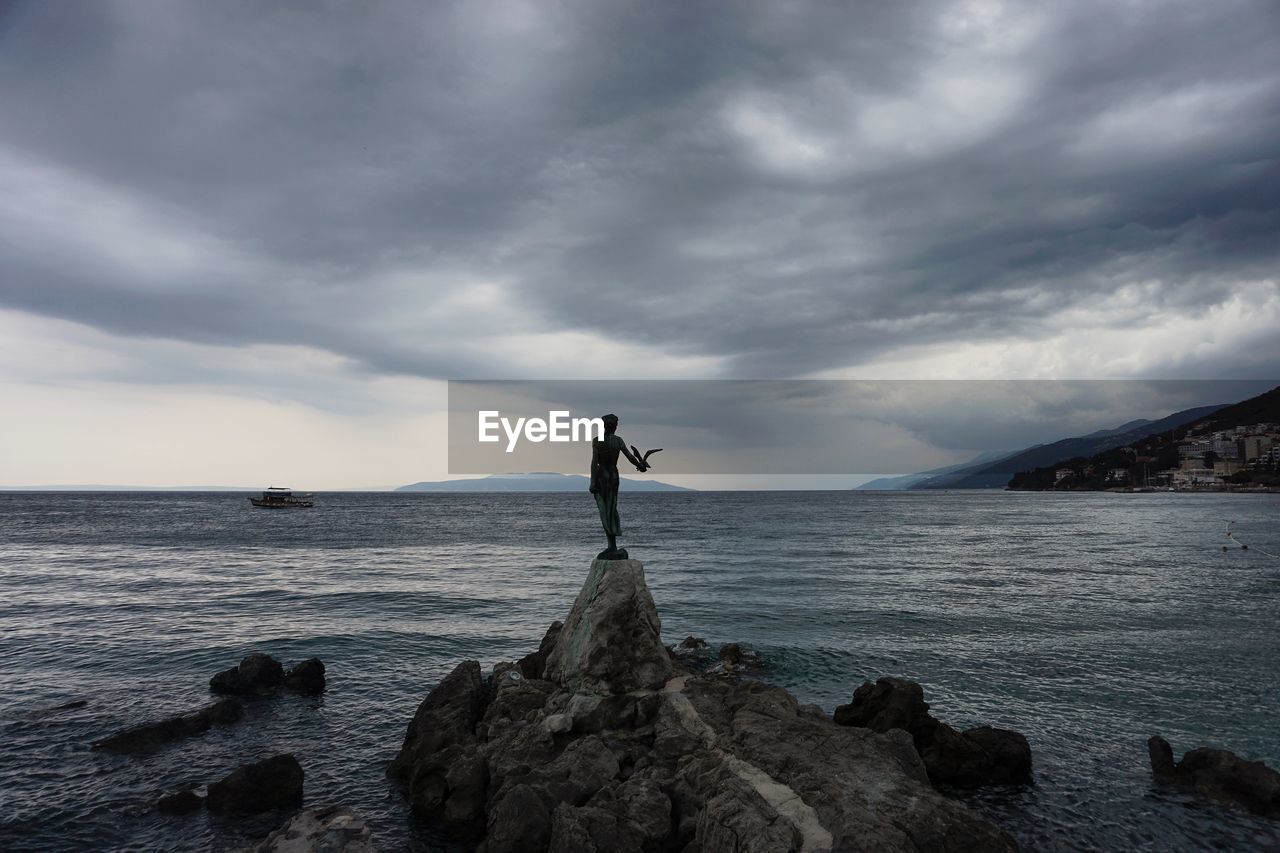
x=1118 y=475
x=1226 y=448
x=1253 y=446
x=1063 y=474
x=1187 y=477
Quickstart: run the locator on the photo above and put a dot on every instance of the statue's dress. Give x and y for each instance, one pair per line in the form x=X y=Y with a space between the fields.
x=604 y=481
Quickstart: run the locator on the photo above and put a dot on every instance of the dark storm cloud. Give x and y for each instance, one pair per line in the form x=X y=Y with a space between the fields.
x=782 y=187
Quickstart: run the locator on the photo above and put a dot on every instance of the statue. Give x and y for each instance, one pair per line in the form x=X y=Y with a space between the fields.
x=604 y=482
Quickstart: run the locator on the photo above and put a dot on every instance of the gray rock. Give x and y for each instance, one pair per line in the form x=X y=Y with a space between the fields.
x=330 y=830
x=977 y=757
x=442 y=735
x=558 y=723
x=153 y=735
x=273 y=783
x=307 y=677
x=1220 y=775
x=256 y=674
x=533 y=665
x=737 y=658
x=519 y=820
x=652 y=764
x=611 y=642
x=969 y=759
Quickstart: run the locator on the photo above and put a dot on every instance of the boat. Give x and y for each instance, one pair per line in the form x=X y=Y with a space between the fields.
x=277 y=497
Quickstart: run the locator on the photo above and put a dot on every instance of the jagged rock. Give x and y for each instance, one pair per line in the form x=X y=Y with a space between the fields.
x=611 y=642
x=440 y=737
x=533 y=665
x=257 y=674
x=1220 y=775
x=330 y=830
x=307 y=677
x=587 y=759
x=273 y=783
x=969 y=759
x=152 y=735
x=180 y=802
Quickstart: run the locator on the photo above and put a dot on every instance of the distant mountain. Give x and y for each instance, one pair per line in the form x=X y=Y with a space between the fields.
x=994 y=473
x=539 y=482
x=907 y=481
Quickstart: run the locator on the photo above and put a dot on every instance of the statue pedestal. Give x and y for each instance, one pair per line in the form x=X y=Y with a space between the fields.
x=612 y=640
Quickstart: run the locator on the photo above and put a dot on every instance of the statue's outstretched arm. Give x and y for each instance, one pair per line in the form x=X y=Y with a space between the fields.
x=640 y=464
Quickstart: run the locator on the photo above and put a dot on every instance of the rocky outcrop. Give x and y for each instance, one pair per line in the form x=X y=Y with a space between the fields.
x=307 y=677
x=262 y=675
x=1219 y=775
x=153 y=735
x=330 y=830
x=969 y=759
x=257 y=674
x=614 y=749
x=612 y=640
x=273 y=783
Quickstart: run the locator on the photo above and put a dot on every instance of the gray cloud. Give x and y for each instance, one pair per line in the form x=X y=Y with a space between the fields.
x=782 y=189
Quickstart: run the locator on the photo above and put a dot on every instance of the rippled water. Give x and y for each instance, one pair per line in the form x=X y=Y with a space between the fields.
x=1088 y=622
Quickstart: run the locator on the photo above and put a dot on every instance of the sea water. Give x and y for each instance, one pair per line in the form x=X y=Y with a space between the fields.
x=1086 y=621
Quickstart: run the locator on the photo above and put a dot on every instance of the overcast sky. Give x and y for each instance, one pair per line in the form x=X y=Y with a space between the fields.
x=246 y=242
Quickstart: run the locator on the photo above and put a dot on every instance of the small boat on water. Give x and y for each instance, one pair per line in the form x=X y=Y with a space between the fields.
x=277 y=497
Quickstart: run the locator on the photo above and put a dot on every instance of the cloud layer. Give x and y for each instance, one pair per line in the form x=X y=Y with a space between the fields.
x=585 y=189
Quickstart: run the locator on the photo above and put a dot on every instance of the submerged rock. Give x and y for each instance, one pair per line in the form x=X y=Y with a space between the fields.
x=273 y=783
x=1220 y=775
x=611 y=641
x=599 y=755
x=180 y=802
x=973 y=758
x=331 y=830
x=307 y=677
x=152 y=735
x=262 y=675
x=257 y=674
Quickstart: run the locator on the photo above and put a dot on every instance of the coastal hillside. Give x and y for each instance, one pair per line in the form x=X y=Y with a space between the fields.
x=538 y=482
x=995 y=474
x=1233 y=445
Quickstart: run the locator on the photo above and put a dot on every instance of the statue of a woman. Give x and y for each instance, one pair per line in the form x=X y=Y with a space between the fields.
x=604 y=483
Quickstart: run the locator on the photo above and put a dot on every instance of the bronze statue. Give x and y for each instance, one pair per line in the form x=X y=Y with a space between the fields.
x=604 y=482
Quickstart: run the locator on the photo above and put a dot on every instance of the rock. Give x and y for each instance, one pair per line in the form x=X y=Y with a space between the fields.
x=735 y=658
x=978 y=757
x=180 y=802
x=330 y=830
x=520 y=820
x=970 y=759
x=533 y=664
x=559 y=723
x=1220 y=775
x=257 y=674
x=442 y=735
x=307 y=677
x=152 y=735
x=890 y=703
x=611 y=642
x=273 y=783
x=597 y=751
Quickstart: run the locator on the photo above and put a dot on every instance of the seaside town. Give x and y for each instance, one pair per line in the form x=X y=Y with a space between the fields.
x=1240 y=458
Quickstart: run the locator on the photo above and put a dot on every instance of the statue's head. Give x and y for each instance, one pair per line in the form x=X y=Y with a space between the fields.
x=610 y=424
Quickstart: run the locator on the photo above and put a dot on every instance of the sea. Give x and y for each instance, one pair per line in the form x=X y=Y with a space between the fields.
x=1089 y=622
